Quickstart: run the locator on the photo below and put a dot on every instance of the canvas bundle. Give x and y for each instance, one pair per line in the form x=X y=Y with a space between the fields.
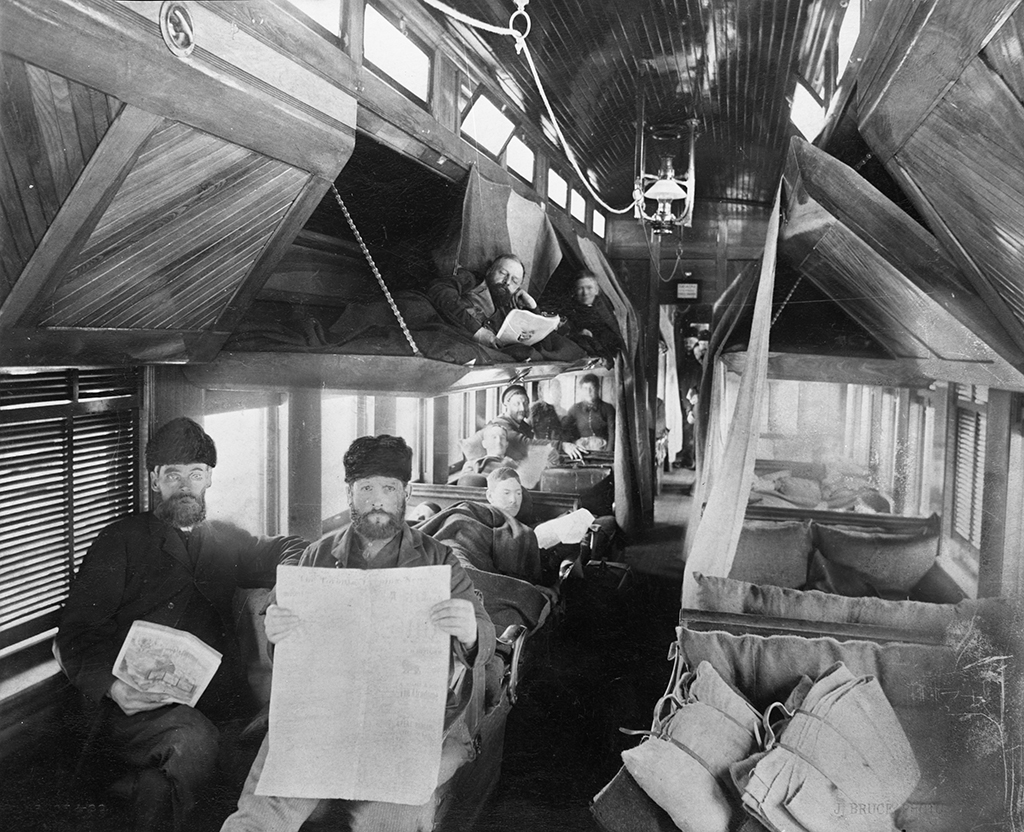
x=841 y=762
x=700 y=728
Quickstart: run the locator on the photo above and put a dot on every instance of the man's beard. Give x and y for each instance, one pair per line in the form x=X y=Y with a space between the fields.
x=378 y=524
x=182 y=510
x=500 y=295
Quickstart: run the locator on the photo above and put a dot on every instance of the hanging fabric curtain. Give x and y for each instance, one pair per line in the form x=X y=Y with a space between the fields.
x=634 y=494
x=713 y=545
x=668 y=382
x=497 y=220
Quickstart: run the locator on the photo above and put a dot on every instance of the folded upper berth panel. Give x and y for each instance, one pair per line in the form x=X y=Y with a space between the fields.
x=147 y=218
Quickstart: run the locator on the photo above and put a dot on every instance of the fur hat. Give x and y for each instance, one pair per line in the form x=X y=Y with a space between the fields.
x=180 y=442
x=513 y=390
x=378 y=456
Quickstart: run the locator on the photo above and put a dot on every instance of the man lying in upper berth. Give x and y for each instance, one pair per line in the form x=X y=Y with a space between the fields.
x=478 y=305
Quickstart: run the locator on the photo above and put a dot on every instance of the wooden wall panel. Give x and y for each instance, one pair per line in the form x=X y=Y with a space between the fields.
x=171 y=250
x=51 y=127
x=1005 y=53
x=931 y=44
x=976 y=184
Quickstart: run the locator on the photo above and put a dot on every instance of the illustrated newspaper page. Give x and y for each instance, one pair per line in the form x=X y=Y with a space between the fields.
x=359 y=689
x=523 y=327
x=156 y=658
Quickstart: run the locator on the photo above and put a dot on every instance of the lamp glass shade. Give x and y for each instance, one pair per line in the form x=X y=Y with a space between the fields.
x=666 y=190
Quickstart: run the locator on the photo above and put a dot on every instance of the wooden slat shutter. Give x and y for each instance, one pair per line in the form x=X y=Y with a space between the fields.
x=68 y=461
x=969 y=464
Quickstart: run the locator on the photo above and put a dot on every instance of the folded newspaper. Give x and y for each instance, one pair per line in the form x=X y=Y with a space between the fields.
x=523 y=327
x=159 y=659
x=569 y=528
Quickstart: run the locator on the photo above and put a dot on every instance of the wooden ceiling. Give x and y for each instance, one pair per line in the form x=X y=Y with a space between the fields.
x=728 y=63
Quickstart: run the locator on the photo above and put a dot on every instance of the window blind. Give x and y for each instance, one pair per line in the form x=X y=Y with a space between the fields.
x=68 y=462
x=969 y=473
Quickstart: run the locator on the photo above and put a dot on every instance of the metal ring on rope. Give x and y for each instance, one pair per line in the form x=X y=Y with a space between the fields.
x=376 y=273
x=520 y=36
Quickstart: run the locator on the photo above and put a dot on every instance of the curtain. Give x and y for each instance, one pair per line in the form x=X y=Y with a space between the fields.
x=713 y=544
x=634 y=493
x=493 y=216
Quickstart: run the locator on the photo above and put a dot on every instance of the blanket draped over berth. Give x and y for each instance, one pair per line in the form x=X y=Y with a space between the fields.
x=501 y=556
x=484 y=538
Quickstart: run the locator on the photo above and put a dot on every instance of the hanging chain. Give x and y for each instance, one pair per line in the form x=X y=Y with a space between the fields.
x=788 y=296
x=376 y=273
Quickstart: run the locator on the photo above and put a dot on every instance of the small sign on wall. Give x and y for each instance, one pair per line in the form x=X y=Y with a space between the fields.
x=688 y=290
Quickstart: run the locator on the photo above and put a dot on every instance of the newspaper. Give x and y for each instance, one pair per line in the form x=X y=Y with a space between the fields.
x=569 y=528
x=159 y=659
x=359 y=689
x=523 y=327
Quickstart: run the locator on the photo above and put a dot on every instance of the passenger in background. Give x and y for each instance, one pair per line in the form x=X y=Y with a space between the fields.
x=592 y=322
x=590 y=422
x=377 y=471
x=172 y=567
x=547 y=424
x=489 y=536
x=478 y=306
x=494 y=438
x=515 y=404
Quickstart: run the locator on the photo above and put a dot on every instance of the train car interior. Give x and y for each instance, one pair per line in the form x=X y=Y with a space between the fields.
x=702 y=322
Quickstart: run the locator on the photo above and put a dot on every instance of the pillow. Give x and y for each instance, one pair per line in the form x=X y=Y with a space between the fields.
x=728 y=595
x=685 y=768
x=773 y=552
x=891 y=561
x=802 y=491
x=695 y=799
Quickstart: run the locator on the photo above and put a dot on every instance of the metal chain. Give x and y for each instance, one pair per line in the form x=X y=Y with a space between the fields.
x=376 y=273
x=784 y=302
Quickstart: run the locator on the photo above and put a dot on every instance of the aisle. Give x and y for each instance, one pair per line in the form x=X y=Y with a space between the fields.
x=602 y=667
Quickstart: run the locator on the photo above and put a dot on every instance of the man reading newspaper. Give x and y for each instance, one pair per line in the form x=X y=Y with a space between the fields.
x=169 y=566
x=377 y=471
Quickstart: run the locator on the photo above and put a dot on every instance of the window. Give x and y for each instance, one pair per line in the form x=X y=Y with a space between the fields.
x=246 y=482
x=487 y=125
x=511 y=88
x=808 y=113
x=68 y=467
x=342 y=419
x=520 y=159
x=547 y=126
x=325 y=12
x=409 y=422
x=392 y=53
x=848 y=34
x=558 y=189
x=969 y=462
x=598 y=223
x=578 y=206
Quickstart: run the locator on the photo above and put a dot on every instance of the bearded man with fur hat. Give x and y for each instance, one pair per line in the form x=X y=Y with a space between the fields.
x=168 y=566
x=377 y=471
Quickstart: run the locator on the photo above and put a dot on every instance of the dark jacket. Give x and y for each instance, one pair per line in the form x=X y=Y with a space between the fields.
x=139 y=568
x=599 y=320
x=464 y=300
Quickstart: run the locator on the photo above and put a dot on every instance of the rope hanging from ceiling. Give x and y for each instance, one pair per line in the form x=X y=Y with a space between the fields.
x=524 y=49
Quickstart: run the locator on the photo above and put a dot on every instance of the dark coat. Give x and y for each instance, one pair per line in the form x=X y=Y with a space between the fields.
x=139 y=568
